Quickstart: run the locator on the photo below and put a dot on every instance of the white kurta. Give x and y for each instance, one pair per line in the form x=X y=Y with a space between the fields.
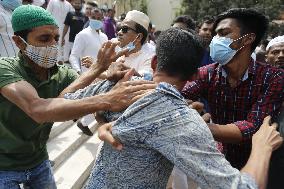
x=7 y=46
x=59 y=10
x=87 y=43
x=141 y=60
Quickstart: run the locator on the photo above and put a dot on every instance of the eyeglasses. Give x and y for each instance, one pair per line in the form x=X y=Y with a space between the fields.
x=125 y=29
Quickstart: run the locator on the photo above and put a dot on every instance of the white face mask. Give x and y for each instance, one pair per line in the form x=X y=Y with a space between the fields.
x=38 y=2
x=45 y=57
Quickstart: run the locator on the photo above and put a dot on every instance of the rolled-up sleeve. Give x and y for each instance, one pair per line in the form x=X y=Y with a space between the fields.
x=268 y=103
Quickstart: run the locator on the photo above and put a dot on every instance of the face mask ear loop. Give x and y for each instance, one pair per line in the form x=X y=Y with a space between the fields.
x=239 y=39
x=136 y=38
x=23 y=40
x=26 y=43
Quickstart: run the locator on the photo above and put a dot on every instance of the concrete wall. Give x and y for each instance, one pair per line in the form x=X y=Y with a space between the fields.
x=161 y=12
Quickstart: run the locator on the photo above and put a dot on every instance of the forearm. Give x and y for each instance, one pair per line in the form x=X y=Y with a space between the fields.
x=103 y=75
x=84 y=80
x=60 y=109
x=229 y=133
x=257 y=166
x=65 y=30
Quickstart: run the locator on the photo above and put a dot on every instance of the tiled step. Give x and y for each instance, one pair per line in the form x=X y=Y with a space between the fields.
x=59 y=127
x=73 y=173
x=64 y=144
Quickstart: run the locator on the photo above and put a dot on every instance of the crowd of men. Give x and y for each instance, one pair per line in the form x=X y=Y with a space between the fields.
x=66 y=61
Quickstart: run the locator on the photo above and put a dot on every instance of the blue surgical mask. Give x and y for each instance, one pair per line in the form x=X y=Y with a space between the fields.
x=131 y=46
x=96 y=24
x=220 y=50
x=148 y=76
x=11 y=4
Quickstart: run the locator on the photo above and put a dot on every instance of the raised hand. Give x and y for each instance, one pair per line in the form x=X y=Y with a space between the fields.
x=267 y=137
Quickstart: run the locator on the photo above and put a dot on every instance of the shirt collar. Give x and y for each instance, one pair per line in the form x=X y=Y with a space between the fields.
x=167 y=88
x=94 y=31
x=250 y=71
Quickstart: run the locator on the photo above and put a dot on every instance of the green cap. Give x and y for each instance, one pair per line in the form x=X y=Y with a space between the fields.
x=29 y=16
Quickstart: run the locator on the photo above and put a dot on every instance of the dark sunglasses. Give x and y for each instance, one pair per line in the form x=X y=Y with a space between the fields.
x=125 y=29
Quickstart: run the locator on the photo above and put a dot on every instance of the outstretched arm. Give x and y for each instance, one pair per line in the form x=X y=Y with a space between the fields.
x=264 y=142
x=42 y=110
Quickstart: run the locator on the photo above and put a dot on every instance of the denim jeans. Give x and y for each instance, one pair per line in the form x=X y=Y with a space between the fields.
x=39 y=177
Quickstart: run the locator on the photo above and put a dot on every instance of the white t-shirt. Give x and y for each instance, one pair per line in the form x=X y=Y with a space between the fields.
x=8 y=47
x=87 y=43
x=59 y=10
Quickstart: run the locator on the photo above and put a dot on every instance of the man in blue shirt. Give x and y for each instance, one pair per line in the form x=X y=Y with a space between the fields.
x=205 y=32
x=160 y=131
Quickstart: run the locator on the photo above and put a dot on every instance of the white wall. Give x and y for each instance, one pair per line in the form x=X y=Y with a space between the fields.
x=162 y=12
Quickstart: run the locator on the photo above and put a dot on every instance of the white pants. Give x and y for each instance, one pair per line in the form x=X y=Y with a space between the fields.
x=67 y=50
x=61 y=56
x=181 y=181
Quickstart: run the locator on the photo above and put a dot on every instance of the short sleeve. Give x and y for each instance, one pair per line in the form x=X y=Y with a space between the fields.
x=72 y=75
x=9 y=72
x=67 y=75
x=68 y=19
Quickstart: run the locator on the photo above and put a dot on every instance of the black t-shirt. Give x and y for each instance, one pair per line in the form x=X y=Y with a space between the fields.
x=76 y=21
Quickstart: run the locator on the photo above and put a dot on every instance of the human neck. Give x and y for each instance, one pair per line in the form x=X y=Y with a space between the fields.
x=163 y=77
x=138 y=48
x=40 y=73
x=237 y=67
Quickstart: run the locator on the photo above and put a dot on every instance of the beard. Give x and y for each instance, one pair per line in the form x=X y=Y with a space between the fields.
x=78 y=9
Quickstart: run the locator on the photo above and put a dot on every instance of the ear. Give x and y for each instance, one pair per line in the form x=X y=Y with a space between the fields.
x=19 y=42
x=154 y=63
x=139 y=37
x=249 y=39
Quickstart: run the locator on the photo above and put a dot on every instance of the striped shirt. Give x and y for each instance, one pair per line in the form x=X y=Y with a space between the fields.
x=258 y=94
x=7 y=46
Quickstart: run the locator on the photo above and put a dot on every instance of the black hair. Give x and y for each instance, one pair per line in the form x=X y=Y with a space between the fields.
x=27 y=1
x=81 y=1
x=150 y=25
x=141 y=29
x=185 y=19
x=207 y=20
x=157 y=33
x=122 y=16
x=264 y=42
x=23 y=34
x=96 y=10
x=249 y=20
x=179 y=53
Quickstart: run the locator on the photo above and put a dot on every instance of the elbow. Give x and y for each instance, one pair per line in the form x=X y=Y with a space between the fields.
x=35 y=112
x=37 y=117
